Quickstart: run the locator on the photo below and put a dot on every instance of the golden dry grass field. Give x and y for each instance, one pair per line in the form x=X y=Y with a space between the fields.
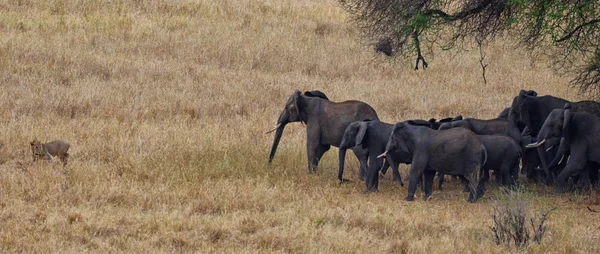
x=165 y=102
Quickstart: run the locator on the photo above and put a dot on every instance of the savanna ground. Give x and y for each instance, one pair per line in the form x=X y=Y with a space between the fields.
x=164 y=104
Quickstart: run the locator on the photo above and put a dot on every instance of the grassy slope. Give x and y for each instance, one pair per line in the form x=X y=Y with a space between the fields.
x=165 y=104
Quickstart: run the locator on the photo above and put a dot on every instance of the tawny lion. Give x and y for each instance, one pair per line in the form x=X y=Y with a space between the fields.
x=49 y=150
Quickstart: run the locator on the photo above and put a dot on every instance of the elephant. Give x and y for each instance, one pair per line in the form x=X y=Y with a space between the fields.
x=531 y=111
x=503 y=156
x=372 y=135
x=486 y=127
x=578 y=137
x=325 y=124
x=456 y=151
x=433 y=124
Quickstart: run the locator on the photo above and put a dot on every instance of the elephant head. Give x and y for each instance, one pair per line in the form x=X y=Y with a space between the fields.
x=553 y=132
x=354 y=135
x=398 y=140
x=519 y=110
x=293 y=111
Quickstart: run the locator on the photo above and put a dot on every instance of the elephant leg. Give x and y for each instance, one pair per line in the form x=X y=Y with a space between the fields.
x=416 y=171
x=440 y=180
x=465 y=183
x=584 y=178
x=384 y=168
x=575 y=164
x=395 y=172
x=373 y=174
x=315 y=153
x=362 y=154
x=594 y=175
x=428 y=183
x=475 y=183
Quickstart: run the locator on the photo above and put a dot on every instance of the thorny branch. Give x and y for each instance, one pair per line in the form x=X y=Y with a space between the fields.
x=481 y=58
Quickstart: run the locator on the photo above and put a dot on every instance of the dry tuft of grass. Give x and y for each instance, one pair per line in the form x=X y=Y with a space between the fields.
x=164 y=104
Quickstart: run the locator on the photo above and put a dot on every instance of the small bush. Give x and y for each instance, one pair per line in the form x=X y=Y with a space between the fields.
x=514 y=223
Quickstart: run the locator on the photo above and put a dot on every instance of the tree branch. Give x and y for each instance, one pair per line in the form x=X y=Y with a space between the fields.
x=569 y=35
x=419 y=55
x=481 y=57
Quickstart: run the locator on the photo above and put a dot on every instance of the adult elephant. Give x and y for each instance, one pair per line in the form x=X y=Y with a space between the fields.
x=577 y=133
x=325 y=124
x=531 y=111
x=456 y=151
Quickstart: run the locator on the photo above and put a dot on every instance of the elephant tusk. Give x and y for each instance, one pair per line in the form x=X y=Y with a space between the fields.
x=532 y=145
x=278 y=125
x=549 y=148
x=382 y=155
x=561 y=159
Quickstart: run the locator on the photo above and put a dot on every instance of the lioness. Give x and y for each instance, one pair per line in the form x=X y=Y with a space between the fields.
x=49 y=150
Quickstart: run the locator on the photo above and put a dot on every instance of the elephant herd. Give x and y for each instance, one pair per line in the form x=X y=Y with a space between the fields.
x=552 y=139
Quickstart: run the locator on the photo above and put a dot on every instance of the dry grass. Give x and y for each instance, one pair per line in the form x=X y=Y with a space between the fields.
x=164 y=105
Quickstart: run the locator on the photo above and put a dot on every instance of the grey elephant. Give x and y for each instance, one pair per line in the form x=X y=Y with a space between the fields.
x=373 y=136
x=456 y=151
x=530 y=110
x=504 y=155
x=325 y=124
x=578 y=135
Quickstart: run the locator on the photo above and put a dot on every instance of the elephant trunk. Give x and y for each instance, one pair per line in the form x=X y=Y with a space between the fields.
x=278 y=134
x=560 y=154
x=342 y=157
x=542 y=155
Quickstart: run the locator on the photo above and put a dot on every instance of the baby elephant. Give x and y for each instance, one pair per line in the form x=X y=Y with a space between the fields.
x=49 y=150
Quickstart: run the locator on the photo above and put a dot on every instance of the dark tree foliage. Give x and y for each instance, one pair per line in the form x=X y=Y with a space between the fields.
x=568 y=31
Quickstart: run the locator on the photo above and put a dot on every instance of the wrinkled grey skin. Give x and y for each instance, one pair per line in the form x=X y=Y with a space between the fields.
x=532 y=111
x=487 y=127
x=504 y=113
x=503 y=156
x=325 y=124
x=577 y=133
x=402 y=157
x=373 y=136
x=457 y=151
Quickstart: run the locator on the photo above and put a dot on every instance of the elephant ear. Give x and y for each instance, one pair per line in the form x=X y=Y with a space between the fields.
x=360 y=134
x=316 y=93
x=299 y=105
